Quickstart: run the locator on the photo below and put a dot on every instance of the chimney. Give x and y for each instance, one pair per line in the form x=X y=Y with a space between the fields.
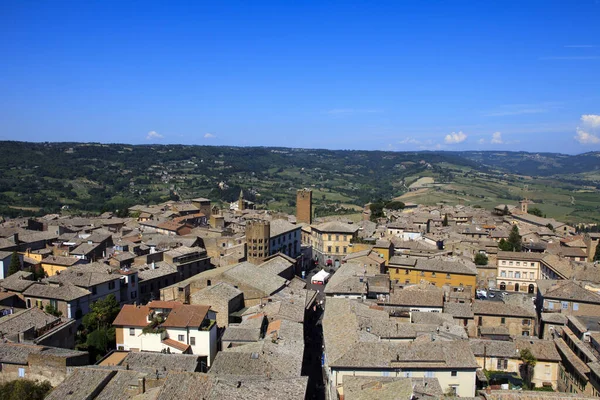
x=153 y=265
x=141 y=385
x=15 y=238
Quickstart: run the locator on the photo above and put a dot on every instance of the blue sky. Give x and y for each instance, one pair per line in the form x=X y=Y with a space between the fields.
x=401 y=75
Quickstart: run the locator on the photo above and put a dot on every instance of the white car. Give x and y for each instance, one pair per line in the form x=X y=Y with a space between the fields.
x=492 y=295
x=504 y=293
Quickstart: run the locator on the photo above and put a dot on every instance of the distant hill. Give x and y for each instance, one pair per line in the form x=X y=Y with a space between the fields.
x=542 y=164
x=39 y=178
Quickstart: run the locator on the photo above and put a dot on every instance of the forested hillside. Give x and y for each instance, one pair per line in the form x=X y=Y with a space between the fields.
x=39 y=178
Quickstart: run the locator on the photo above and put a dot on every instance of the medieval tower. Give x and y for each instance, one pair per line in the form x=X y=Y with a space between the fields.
x=304 y=206
x=258 y=233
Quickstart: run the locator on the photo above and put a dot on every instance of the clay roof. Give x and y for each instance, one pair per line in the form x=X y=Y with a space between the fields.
x=569 y=290
x=66 y=292
x=176 y=345
x=336 y=227
x=512 y=255
x=494 y=348
x=186 y=315
x=131 y=315
x=57 y=260
x=543 y=350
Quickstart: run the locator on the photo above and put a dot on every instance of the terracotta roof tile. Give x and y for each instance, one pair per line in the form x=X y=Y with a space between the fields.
x=186 y=315
x=176 y=345
x=131 y=315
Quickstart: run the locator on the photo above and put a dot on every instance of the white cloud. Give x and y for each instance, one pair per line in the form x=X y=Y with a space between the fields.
x=209 y=136
x=410 y=140
x=455 y=138
x=591 y=120
x=497 y=138
x=584 y=137
x=153 y=135
x=481 y=141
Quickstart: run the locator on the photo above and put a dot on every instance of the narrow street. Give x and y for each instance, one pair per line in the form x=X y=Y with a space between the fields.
x=313 y=347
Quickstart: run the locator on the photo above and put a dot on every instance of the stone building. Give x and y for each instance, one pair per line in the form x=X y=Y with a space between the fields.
x=258 y=234
x=304 y=206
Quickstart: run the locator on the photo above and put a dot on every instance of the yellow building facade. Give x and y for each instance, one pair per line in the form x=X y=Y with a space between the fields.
x=438 y=273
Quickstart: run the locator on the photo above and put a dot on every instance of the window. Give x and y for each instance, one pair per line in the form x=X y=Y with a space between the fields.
x=550 y=305
x=503 y=274
x=429 y=374
x=510 y=263
x=448 y=276
x=517 y=275
x=422 y=273
x=337 y=237
x=526 y=322
x=453 y=373
x=519 y=263
x=345 y=238
x=575 y=306
x=21 y=372
x=499 y=364
x=433 y=274
x=503 y=262
x=54 y=304
x=192 y=340
x=328 y=237
x=525 y=333
x=94 y=289
x=131 y=331
x=532 y=264
x=329 y=249
x=337 y=249
x=111 y=285
x=564 y=305
x=531 y=275
x=180 y=338
x=406 y=272
x=345 y=249
x=502 y=320
x=510 y=274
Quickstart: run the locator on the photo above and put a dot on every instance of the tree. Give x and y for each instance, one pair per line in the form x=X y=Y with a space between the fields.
x=514 y=239
x=535 y=211
x=15 y=264
x=395 y=205
x=505 y=211
x=98 y=336
x=481 y=259
x=102 y=313
x=24 y=389
x=50 y=309
x=37 y=271
x=529 y=362
x=445 y=221
x=504 y=245
x=376 y=210
x=597 y=253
